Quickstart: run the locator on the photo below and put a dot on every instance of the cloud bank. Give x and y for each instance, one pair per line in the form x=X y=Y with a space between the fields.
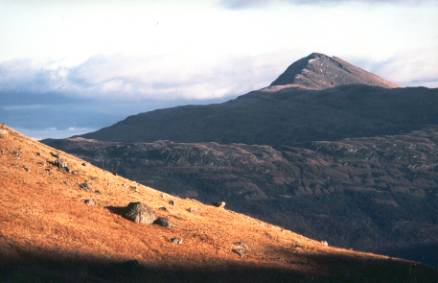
x=133 y=78
x=167 y=79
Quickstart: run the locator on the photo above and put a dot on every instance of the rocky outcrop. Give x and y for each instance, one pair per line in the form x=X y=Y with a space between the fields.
x=162 y=221
x=220 y=204
x=61 y=164
x=176 y=240
x=3 y=133
x=140 y=213
x=240 y=248
x=89 y=202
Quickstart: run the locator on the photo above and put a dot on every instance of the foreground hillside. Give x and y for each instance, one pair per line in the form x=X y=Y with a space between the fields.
x=48 y=233
x=377 y=193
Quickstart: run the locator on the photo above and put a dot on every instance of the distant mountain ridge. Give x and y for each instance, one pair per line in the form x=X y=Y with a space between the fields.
x=317 y=98
x=285 y=117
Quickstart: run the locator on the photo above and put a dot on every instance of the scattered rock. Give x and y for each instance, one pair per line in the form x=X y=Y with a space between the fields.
x=133 y=188
x=84 y=164
x=17 y=153
x=220 y=204
x=176 y=240
x=89 y=202
x=61 y=164
x=140 y=213
x=163 y=208
x=191 y=194
x=240 y=248
x=84 y=186
x=54 y=154
x=97 y=192
x=114 y=173
x=38 y=153
x=3 y=133
x=191 y=209
x=162 y=221
x=171 y=202
x=324 y=243
x=161 y=195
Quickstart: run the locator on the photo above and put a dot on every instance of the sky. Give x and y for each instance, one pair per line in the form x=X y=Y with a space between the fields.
x=68 y=67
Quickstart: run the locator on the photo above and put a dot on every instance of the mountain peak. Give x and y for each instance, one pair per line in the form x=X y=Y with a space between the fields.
x=319 y=71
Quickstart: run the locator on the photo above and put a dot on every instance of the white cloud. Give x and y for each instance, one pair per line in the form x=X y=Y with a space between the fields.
x=165 y=78
x=26 y=75
x=156 y=78
x=415 y=68
x=201 y=50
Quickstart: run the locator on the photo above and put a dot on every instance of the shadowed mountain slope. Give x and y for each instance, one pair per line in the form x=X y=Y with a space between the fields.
x=285 y=117
x=48 y=233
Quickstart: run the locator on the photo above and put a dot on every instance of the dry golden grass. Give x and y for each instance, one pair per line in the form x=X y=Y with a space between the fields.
x=42 y=210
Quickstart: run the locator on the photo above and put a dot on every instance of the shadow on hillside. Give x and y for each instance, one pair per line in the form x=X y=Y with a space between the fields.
x=426 y=253
x=119 y=210
x=346 y=268
x=50 y=266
